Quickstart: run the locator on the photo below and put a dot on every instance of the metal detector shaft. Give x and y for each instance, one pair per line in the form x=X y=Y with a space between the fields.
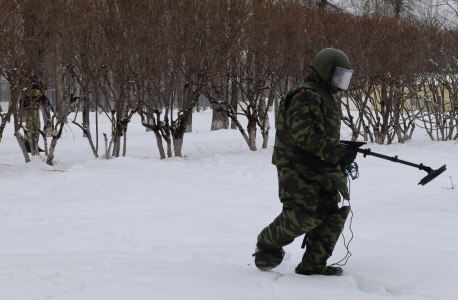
x=355 y=146
x=393 y=159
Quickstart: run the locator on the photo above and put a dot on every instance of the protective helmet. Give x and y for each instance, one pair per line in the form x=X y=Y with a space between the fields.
x=333 y=67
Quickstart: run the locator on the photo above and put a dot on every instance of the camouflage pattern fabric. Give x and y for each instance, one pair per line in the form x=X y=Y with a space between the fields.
x=309 y=120
x=266 y=258
x=35 y=97
x=32 y=93
x=32 y=122
x=321 y=242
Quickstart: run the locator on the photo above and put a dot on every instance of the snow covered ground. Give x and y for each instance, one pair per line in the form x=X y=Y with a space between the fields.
x=137 y=227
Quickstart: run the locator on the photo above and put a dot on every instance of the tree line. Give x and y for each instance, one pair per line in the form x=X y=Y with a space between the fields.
x=157 y=58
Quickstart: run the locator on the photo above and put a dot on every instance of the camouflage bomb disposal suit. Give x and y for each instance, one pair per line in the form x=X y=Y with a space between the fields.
x=309 y=120
x=35 y=97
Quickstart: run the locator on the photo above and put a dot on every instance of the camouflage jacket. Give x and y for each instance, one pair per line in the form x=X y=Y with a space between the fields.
x=309 y=122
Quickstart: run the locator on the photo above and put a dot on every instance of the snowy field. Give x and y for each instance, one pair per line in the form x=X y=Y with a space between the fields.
x=140 y=228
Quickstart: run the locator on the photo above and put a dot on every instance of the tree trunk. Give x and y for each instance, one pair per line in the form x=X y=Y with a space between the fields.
x=45 y=142
x=53 y=145
x=45 y=121
x=31 y=141
x=51 y=151
x=263 y=116
x=97 y=109
x=160 y=145
x=197 y=105
x=234 y=101
x=180 y=104
x=96 y=130
x=219 y=119
x=226 y=100
x=87 y=133
x=265 y=138
x=156 y=130
x=149 y=122
x=168 y=140
x=252 y=135
x=276 y=111
x=178 y=145
x=86 y=109
x=22 y=146
x=124 y=150
x=35 y=150
x=187 y=105
x=116 y=146
x=60 y=101
x=189 y=123
x=169 y=148
x=91 y=143
x=264 y=119
x=114 y=141
x=451 y=129
x=107 y=148
x=34 y=135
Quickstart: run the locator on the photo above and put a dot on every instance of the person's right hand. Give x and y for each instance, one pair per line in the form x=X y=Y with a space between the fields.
x=348 y=158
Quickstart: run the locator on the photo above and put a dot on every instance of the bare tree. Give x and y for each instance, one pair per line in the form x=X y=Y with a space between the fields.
x=114 y=44
x=440 y=117
x=81 y=63
x=155 y=80
x=385 y=75
x=252 y=73
x=23 y=48
x=220 y=119
x=70 y=100
x=208 y=48
x=73 y=18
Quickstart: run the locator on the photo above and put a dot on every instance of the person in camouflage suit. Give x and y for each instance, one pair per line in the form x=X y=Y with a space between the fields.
x=309 y=160
x=34 y=97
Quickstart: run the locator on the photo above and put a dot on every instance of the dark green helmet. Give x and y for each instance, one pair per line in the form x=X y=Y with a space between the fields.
x=333 y=67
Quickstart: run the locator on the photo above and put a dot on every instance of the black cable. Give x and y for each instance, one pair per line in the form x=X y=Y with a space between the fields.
x=349 y=254
x=346 y=245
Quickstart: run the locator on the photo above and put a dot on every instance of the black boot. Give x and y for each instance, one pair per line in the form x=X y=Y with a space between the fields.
x=328 y=271
x=266 y=259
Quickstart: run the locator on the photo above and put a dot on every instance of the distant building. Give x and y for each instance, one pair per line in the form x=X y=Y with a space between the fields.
x=411 y=100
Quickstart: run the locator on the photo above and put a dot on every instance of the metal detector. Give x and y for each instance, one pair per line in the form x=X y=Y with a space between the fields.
x=354 y=146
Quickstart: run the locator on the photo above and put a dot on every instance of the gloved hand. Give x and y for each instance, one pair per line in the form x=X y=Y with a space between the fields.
x=348 y=158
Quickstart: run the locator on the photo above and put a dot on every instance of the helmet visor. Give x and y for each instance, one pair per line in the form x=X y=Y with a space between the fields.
x=340 y=78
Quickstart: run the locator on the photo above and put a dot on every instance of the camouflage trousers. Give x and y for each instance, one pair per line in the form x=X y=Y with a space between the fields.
x=308 y=206
x=32 y=122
